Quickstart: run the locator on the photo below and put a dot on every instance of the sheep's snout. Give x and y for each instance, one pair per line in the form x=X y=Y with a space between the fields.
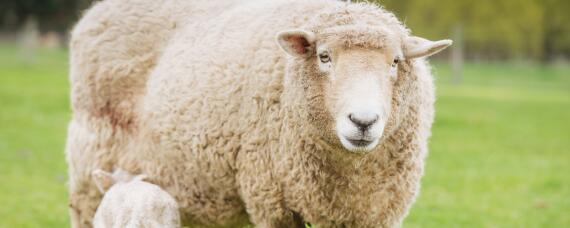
x=361 y=126
x=360 y=131
x=363 y=120
x=361 y=113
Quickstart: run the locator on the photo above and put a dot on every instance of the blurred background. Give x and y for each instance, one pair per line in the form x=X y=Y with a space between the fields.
x=500 y=150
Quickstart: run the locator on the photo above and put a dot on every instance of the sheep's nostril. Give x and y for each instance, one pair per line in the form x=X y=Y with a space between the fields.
x=363 y=120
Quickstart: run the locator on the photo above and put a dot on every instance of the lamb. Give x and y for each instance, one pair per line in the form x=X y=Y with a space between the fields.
x=271 y=113
x=131 y=202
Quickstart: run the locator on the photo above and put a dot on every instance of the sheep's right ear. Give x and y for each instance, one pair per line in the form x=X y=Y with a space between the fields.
x=417 y=47
x=297 y=43
x=103 y=180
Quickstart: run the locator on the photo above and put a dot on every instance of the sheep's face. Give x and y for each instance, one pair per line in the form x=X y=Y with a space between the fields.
x=352 y=79
x=358 y=92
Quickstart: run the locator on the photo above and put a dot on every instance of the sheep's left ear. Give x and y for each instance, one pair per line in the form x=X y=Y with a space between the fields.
x=298 y=43
x=417 y=47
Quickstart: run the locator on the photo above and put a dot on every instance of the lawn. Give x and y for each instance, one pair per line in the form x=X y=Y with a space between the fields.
x=499 y=155
x=34 y=110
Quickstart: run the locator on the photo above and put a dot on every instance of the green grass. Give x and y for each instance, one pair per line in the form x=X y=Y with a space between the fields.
x=500 y=151
x=499 y=155
x=34 y=110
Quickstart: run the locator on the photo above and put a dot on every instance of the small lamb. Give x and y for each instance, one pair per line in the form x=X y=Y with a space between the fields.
x=129 y=201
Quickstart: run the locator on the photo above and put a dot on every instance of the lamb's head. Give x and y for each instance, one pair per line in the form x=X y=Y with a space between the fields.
x=105 y=180
x=348 y=73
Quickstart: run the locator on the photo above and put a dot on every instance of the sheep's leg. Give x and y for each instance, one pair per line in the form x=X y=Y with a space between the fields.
x=83 y=202
x=263 y=196
x=264 y=205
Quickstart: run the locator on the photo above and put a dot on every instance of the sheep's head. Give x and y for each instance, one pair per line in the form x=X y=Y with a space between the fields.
x=348 y=74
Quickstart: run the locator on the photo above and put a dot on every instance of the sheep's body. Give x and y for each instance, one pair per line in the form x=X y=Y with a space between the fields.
x=221 y=122
x=134 y=204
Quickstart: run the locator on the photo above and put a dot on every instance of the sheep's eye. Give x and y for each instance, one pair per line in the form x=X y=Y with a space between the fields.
x=396 y=61
x=324 y=57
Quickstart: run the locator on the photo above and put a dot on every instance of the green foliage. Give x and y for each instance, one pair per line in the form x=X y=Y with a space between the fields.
x=498 y=156
x=53 y=15
x=492 y=28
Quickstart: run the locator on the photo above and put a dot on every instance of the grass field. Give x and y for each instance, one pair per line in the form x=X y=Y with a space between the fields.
x=499 y=155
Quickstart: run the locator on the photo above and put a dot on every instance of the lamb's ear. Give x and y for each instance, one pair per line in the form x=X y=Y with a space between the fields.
x=417 y=47
x=103 y=180
x=140 y=177
x=297 y=43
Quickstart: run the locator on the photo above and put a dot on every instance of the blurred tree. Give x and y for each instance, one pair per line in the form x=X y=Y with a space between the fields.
x=52 y=15
x=492 y=29
x=556 y=29
x=28 y=39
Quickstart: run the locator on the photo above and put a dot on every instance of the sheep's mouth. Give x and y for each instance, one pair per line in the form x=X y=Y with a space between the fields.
x=359 y=142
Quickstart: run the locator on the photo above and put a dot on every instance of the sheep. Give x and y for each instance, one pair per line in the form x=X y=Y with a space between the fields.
x=271 y=113
x=131 y=202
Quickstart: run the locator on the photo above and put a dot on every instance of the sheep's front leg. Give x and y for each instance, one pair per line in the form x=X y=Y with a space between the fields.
x=83 y=201
x=263 y=196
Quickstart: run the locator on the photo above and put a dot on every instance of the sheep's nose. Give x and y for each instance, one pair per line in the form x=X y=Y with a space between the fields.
x=363 y=120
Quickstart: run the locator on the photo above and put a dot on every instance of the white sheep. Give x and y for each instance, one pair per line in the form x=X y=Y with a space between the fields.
x=130 y=202
x=200 y=97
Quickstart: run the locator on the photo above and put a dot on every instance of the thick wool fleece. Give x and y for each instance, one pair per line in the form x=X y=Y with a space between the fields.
x=199 y=97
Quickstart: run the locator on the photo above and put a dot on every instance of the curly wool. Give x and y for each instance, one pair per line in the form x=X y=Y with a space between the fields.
x=199 y=97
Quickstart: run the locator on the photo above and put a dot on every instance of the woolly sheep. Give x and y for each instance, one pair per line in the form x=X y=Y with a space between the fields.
x=327 y=123
x=131 y=202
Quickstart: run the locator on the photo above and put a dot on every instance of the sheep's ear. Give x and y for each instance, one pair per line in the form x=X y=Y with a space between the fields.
x=103 y=180
x=417 y=47
x=297 y=43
